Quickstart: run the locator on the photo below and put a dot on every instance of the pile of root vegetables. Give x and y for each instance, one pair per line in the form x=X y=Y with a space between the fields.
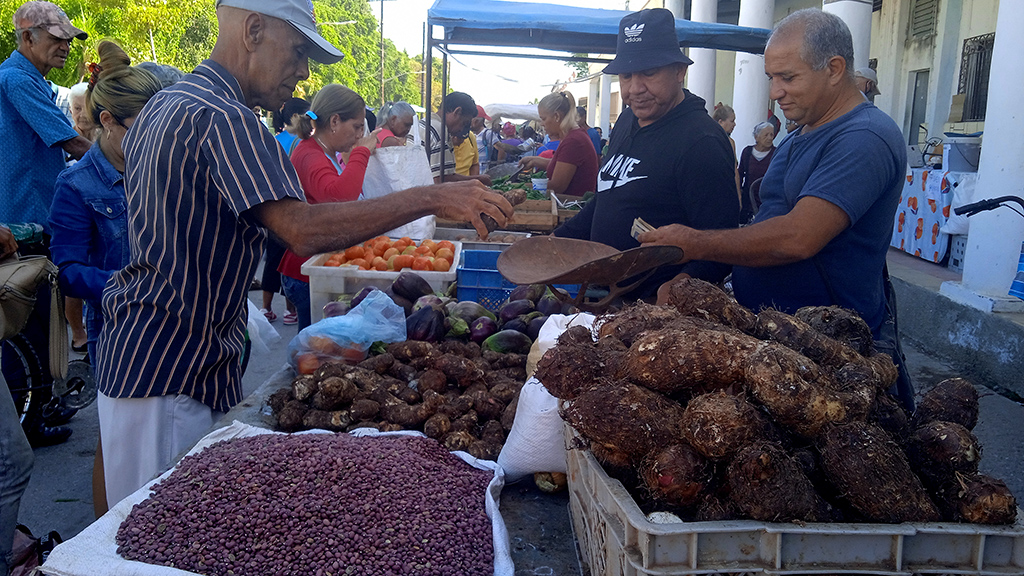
x=326 y=504
x=715 y=413
x=452 y=391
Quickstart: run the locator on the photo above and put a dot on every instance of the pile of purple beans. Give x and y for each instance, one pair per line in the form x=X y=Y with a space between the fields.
x=316 y=504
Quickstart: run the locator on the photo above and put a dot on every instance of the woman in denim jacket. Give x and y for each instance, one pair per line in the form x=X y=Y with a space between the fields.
x=89 y=215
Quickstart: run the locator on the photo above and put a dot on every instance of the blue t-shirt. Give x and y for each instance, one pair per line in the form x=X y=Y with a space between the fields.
x=595 y=138
x=34 y=128
x=288 y=141
x=856 y=162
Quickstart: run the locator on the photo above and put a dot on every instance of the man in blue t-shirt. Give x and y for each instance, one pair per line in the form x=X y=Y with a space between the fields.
x=830 y=193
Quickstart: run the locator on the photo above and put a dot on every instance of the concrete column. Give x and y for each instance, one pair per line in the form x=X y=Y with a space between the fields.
x=700 y=78
x=994 y=242
x=857 y=15
x=750 y=89
x=593 y=100
x=606 y=104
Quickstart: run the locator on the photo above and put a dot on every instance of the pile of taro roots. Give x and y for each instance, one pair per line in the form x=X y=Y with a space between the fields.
x=715 y=413
x=452 y=391
x=326 y=504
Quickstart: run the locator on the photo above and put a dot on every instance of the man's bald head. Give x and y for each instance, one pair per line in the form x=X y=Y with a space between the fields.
x=824 y=37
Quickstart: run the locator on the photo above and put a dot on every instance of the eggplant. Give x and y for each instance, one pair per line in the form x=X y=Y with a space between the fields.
x=457 y=327
x=531 y=292
x=470 y=311
x=549 y=305
x=426 y=324
x=332 y=309
x=518 y=324
x=508 y=341
x=411 y=286
x=514 y=308
x=534 y=326
x=405 y=303
x=568 y=308
x=481 y=328
x=362 y=294
x=428 y=300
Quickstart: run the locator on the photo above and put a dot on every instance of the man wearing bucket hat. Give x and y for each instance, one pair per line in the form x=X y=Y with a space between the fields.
x=667 y=160
x=867 y=82
x=206 y=182
x=828 y=198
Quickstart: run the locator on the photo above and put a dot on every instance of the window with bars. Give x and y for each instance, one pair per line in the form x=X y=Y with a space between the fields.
x=876 y=5
x=922 y=18
x=974 y=68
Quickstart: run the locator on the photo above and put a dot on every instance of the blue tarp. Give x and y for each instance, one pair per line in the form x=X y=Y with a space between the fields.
x=568 y=29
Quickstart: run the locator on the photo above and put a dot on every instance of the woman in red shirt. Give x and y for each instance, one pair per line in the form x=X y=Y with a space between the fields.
x=335 y=124
x=573 y=168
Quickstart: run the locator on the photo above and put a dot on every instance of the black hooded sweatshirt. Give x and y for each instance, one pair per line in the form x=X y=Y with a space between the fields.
x=679 y=169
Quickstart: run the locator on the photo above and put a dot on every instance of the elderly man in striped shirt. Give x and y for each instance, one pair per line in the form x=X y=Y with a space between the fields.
x=205 y=183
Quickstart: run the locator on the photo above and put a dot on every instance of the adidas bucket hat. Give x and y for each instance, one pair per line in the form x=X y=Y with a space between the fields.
x=647 y=39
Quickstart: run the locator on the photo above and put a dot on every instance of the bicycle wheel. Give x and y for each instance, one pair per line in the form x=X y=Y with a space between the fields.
x=24 y=374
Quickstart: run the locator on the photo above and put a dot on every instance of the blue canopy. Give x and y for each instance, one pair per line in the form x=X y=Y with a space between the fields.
x=569 y=29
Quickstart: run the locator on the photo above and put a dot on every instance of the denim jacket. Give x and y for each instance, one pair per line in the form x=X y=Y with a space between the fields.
x=89 y=221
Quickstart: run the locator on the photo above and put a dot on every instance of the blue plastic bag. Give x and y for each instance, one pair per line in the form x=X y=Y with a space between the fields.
x=347 y=338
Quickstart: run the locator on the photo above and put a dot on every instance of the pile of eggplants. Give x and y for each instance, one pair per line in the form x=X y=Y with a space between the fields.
x=432 y=318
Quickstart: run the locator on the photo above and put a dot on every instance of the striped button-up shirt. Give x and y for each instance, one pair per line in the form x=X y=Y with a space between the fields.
x=197 y=160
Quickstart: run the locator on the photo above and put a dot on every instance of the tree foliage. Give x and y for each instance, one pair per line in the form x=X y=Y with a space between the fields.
x=182 y=33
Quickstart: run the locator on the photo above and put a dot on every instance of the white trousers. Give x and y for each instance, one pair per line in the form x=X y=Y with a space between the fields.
x=142 y=436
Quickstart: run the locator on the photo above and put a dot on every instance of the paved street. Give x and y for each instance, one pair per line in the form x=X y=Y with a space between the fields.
x=59 y=496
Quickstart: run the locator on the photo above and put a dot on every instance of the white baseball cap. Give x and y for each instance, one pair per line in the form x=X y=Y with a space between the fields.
x=869 y=74
x=298 y=13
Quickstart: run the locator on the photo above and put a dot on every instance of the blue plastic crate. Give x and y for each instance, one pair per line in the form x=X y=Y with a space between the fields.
x=480 y=281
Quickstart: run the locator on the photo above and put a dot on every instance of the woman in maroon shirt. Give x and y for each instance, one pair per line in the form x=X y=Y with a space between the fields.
x=335 y=124
x=573 y=168
x=753 y=164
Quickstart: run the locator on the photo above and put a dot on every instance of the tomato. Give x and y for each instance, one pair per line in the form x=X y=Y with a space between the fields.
x=391 y=252
x=423 y=251
x=382 y=239
x=423 y=263
x=403 y=261
x=442 y=265
x=405 y=240
x=409 y=250
x=307 y=363
x=360 y=262
x=446 y=244
x=445 y=253
x=355 y=252
x=379 y=264
x=429 y=244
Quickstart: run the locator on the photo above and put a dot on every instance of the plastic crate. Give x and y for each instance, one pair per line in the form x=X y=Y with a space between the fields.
x=456 y=233
x=616 y=539
x=957 y=250
x=326 y=283
x=479 y=280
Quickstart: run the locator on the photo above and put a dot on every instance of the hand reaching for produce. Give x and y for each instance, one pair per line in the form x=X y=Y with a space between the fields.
x=535 y=163
x=673 y=235
x=369 y=141
x=485 y=179
x=469 y=201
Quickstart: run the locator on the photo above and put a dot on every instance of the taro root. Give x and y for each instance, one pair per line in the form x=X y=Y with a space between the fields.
x=566 y=369
x=799 y=336
x=363 y=424
x=456 y=406
x=332 y=369
x=458 y=369
x=364 y=409
x=504 y=389
x=483 y=450
x=939 y=450
x=671 y=361
x=334 y=393
x=335 y=421
x=278 y=399
x=402 y=372
x=981 y=499
x=717 y=425
x=289 y=419
x=303 y=387
x=693 y=297
x=677 y=474
x=492 y=431
x=873 y=474
x=625 y=418
x=634 y=320
x=468 y=350
x=466 y=423
x=888 y=414
x=458 y=440
x=576 y=335
x=841 y=324
x=508 y=415
x=952 y=400
x=380 y=363
x=410 y=349
x=433 y=380
x=797 y=393
x=486 y=406
x=768 y=484
x=437 y=426
x=716 y=507
x=408 y=395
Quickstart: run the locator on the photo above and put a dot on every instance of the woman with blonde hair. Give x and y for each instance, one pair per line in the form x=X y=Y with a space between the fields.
x=573 y=168
x=89 y=215
x=335 y=124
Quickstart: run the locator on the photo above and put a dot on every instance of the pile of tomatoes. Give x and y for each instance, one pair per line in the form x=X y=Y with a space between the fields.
x=387 y=255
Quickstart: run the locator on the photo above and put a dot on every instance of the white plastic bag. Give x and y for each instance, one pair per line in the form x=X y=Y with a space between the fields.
x=535 y=443
x=963 y=193
x=398 y=168
x=261 y=333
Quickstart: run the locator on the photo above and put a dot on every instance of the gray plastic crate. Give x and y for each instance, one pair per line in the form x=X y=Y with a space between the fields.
x=456 y=233
x=616 y=539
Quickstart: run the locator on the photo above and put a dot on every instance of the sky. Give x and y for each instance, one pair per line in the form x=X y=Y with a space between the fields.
x=489 y=79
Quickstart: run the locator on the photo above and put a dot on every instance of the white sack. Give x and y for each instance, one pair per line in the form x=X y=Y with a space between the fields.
x=398 y=168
